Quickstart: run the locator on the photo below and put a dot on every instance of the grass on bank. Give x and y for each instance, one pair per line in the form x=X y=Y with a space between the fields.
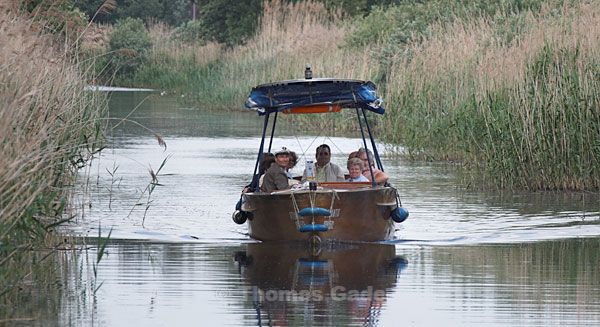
x=49 y=127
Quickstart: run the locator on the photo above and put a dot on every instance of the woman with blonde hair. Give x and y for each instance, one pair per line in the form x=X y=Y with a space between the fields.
x=355 y=168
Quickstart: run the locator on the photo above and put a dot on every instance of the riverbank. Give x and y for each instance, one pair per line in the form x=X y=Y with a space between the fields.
x=506 y=91
x=50 y=127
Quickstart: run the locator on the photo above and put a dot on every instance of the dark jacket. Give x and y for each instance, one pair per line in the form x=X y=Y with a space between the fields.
x=275 y=179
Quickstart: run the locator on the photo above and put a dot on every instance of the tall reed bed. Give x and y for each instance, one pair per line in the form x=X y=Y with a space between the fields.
x=523 y=113
x=290 y=36
x=48 y=128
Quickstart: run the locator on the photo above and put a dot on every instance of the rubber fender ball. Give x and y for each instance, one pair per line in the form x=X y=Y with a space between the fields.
x=239 y=217
x=399 y=214
x=398 y=262
x=313 y=228
x=314 y=212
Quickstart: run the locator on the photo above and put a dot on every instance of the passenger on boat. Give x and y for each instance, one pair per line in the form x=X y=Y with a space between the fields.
x=275 y=177
x=355 y=168
x=380 y=176
x=325 y=170
x=292 y=164
x=353 y=155
x=265 y=163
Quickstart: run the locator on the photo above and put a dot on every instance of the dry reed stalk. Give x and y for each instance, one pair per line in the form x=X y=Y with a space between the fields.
x=180 y=55
x=472 y=49
x=291 y=35
x=44 y=117
x=96 y=37
x=159 y=32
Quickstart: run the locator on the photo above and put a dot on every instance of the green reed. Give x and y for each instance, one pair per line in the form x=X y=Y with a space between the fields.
x=522 y=114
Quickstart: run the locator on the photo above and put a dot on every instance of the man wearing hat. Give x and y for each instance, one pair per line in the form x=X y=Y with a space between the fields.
x=276 y=176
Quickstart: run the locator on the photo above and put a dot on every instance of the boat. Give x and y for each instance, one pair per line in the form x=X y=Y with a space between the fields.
x=326 y=211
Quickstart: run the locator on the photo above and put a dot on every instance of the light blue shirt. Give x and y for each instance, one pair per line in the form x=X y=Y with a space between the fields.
x=360 y=178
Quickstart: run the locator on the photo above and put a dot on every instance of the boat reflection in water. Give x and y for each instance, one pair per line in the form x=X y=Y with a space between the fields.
x=333 y=284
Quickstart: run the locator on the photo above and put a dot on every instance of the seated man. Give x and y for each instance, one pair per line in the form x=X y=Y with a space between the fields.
x=355 y=168
x=275 y=177
x=326 y=171
x=380 y=176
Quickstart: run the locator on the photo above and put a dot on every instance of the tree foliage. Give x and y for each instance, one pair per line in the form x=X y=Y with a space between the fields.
x=401 y=22
x=128 y=44
x=361 y=7
x=177 y=12
x=226 y=23
x=173 y=12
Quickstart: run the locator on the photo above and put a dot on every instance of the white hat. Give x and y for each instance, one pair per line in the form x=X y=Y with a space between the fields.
x=283 y=150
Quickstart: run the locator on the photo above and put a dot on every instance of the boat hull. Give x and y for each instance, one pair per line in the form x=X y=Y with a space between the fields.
x=361 y=215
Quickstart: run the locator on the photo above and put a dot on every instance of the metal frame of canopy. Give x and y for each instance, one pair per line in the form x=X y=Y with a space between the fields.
x=324 y=94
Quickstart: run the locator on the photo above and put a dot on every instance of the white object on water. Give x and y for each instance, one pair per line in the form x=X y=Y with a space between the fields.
x=99 y=88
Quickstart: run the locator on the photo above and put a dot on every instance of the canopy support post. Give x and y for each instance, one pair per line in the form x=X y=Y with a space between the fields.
x=362 y=133
x=254 y=184
x=375 y=152
x=273 y=131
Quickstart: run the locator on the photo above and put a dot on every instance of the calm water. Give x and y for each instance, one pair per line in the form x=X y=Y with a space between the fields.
x=177 y=259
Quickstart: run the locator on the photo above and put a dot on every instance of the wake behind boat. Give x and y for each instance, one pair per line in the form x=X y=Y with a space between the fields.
x=316 y=211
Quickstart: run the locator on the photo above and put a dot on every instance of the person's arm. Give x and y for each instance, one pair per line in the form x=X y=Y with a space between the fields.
x=266 y=185
x=281 y=181
x=381 y=177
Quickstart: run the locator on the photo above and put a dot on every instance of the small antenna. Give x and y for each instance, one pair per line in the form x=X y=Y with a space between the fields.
x=307 y=72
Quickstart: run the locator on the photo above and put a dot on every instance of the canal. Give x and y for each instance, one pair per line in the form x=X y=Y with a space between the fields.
x=175 y=258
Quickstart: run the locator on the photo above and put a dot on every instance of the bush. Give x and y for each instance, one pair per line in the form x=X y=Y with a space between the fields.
x=128 y=46
x=408 y=22
x=191 y=32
